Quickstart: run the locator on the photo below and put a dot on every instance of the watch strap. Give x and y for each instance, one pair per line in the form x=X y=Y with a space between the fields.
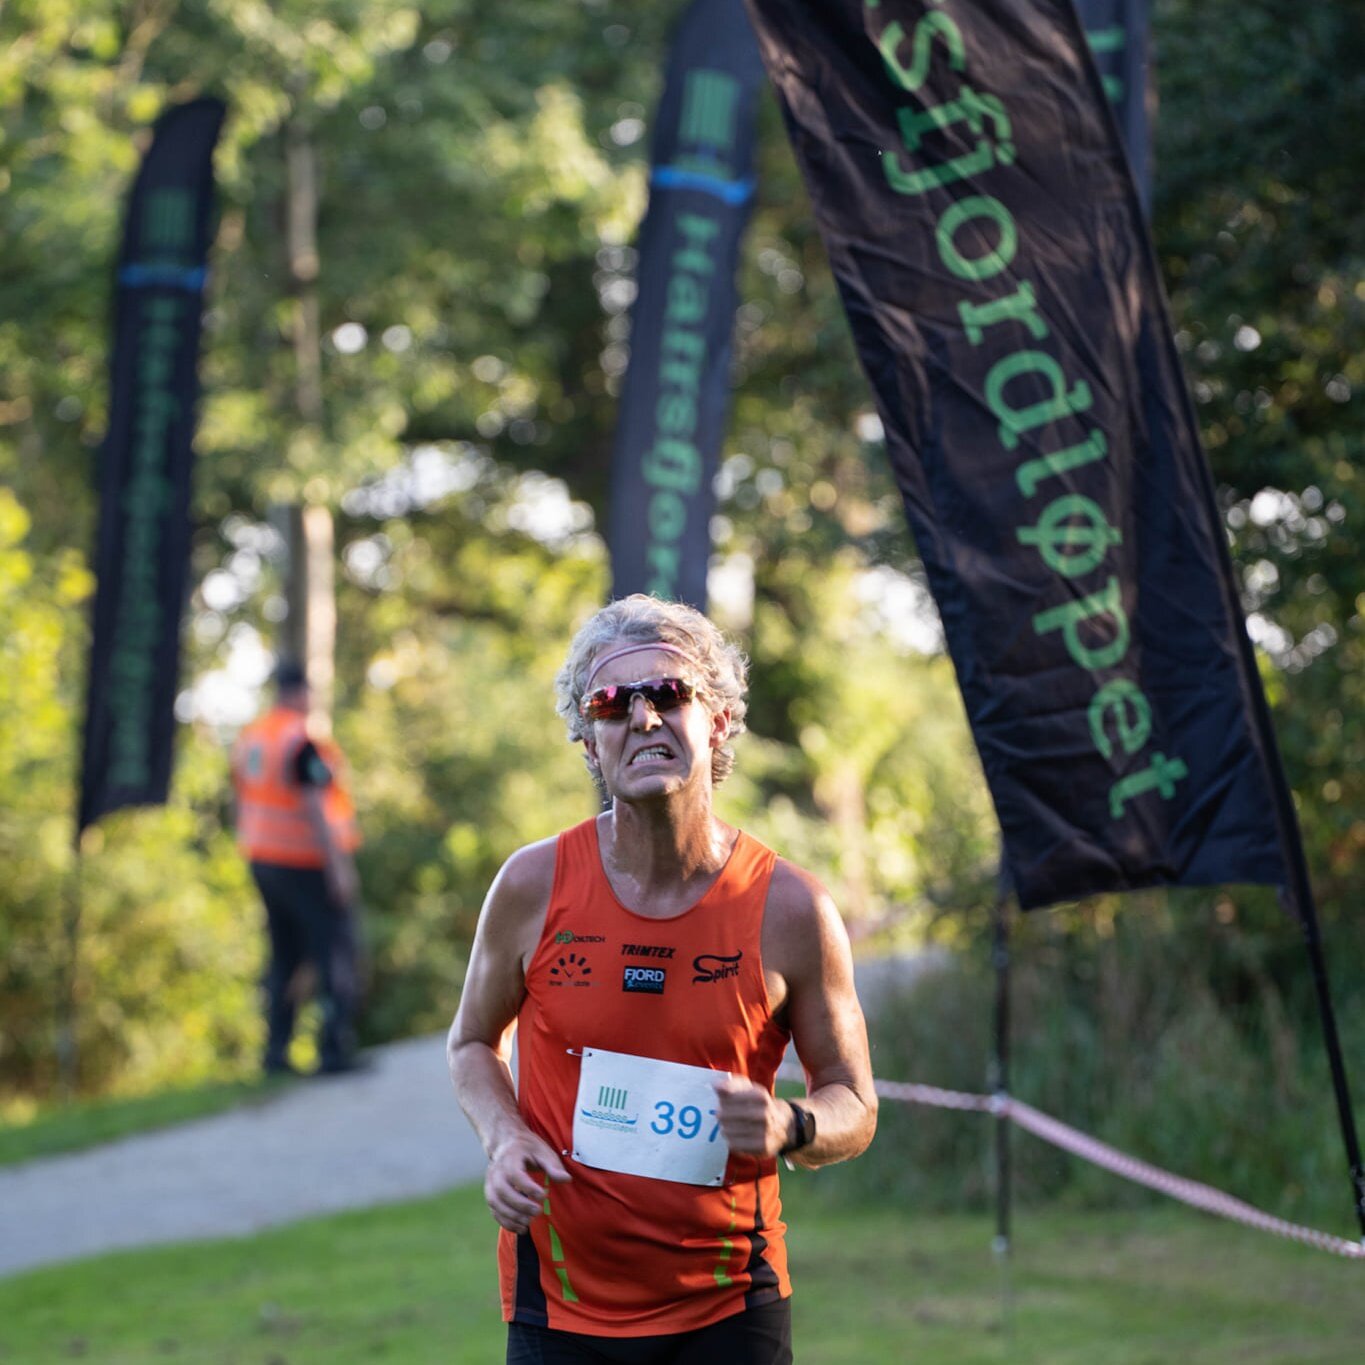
x=804 y=1123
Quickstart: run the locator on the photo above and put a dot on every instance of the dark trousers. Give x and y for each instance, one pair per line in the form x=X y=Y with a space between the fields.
x=306 y=926
x=756 y=1336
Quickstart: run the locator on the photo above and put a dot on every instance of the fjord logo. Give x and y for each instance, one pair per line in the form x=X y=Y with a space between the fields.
x=644 y=980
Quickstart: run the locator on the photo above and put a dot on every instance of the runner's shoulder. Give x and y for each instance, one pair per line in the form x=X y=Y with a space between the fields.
x=798 y=900
x=521 y=890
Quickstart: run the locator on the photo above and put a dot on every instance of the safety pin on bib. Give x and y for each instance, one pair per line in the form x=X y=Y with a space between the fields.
x=572 y=1052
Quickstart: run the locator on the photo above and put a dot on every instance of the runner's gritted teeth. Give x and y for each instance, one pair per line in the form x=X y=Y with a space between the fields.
x=652 y=751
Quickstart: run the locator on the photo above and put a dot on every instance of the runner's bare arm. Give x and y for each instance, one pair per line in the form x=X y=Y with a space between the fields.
x=479 y=1048
x=809 y=968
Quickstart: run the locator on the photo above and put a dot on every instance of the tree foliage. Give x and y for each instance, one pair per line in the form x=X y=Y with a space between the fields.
x=481 y=177
x=1264 y=249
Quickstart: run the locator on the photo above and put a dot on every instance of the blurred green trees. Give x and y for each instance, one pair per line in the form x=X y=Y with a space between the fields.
x=1264 y=249
x=481 y=176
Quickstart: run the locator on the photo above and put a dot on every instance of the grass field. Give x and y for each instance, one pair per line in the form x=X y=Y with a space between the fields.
x=415 y=1283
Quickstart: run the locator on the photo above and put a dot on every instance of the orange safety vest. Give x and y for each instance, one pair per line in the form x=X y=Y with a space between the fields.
x=272 y=820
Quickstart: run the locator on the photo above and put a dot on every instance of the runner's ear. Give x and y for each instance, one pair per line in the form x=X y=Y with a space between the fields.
x=720 y=727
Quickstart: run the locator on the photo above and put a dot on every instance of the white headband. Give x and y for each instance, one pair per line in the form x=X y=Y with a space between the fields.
x=629 y=649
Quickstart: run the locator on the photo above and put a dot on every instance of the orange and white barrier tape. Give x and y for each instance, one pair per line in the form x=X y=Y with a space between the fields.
x=1109 y=1158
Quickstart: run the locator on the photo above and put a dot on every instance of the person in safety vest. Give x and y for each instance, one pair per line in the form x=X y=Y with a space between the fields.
x=654 y=962
x=296 y=826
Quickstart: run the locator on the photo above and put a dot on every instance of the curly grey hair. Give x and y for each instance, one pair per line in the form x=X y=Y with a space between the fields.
x=717 y=668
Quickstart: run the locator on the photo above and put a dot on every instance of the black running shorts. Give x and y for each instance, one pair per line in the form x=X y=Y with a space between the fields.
x=757 y=1336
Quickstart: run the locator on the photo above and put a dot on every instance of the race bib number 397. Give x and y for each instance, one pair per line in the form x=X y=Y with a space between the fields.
x=641 y=1116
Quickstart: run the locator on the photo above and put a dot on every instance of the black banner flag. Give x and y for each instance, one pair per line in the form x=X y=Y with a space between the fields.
x=1117 y=33
x=676 y=394
x=142 y=555
x=1005 y=302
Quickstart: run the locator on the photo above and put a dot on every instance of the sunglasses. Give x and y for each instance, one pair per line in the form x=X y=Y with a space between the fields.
x=613 y=702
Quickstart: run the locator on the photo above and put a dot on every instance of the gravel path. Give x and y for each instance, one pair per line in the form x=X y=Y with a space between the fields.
x=388 y=1133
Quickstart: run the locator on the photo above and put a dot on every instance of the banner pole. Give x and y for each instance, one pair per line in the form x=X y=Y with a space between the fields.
x=1000 y=1086
x=1296 y=897
x=68 y=1052
x=1302 y=900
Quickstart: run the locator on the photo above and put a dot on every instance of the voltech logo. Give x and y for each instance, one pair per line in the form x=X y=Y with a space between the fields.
x=568 y=936
x=715 y=966
x=646 y=980
x=571 y=970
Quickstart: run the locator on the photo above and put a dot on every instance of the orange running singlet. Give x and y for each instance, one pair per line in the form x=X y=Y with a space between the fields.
x=625 y=1255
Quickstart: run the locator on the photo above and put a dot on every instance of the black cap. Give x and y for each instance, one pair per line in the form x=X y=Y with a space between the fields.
x=289 y=674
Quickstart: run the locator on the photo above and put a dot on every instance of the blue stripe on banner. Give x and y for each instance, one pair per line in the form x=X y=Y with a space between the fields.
x=173 y=276
x=675 y=178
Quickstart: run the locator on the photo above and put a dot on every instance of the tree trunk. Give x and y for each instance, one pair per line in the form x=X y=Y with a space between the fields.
x=308 y=632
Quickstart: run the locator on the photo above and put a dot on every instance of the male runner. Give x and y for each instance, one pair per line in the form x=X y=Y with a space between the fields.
x=653 y=962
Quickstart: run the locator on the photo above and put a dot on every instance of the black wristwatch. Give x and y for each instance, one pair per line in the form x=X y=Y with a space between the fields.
x=805 y=1129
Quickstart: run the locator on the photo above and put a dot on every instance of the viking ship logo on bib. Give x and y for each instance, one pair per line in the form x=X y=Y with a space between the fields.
x=611 y=1110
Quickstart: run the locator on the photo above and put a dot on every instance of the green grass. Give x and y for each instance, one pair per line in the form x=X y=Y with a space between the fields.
x=88 y=1123
x=1085 y=1289
x=416 y=1283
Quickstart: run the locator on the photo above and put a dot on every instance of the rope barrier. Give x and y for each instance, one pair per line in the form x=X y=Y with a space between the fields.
x=1098 y=1153
x=1177 y=1187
